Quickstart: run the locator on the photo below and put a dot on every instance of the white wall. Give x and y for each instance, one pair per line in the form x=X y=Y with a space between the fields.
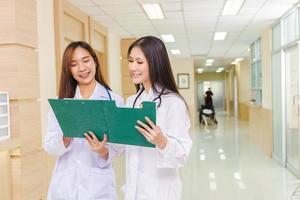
x=46 y=51
x=114 y=62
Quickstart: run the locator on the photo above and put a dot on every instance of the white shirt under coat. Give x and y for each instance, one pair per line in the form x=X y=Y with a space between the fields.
x=80 y=173
x=152 y=174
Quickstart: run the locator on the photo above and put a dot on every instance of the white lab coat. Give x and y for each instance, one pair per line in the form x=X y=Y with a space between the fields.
x=152 y=174
x=80 y=173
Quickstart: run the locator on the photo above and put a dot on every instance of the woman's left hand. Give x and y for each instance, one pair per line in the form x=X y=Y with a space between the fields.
x=96 y=145
x=152 y=133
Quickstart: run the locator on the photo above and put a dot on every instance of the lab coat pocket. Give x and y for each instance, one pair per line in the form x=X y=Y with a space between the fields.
x=147 y=187
x=62 y=185
x=101 y=184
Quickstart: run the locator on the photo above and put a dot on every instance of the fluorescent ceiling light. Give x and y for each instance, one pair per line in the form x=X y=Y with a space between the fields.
x=239 y=59
x=241 y=185
x=237 y=175
x=208 y=64
x=175 y=51
x=167 y=37
x=234 y=63
x=199 y=70
x=212 y=175
x=212 y=185
x=232 y=7
x=220 y=35
x=220 y=68
x=202 y=157
x=222 y=157
x=153 y=10
x=209 y=60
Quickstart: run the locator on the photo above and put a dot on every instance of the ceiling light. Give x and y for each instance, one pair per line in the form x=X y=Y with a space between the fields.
x=175 y=51
x=232 y=7
x=167 y=37
x=234 y=63
x=209 y=60
x=212 y=175
x=222 y=157
x=200 y=70
x=237 y=175
x=220 y=68
x=241 y=185
x=239 y=59
x=220 y=35
x=208 y=64
x=202 y=157
x=212 y=185
x=153 y=10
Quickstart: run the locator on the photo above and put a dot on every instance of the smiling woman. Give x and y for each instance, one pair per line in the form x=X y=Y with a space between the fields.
x=81 y=162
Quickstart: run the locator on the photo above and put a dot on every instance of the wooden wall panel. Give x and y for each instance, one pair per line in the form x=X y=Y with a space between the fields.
x=27 y=177
x=26 y=121
x=5 y=174
x=71 y=24
x=19 y=74
x=18 y=22
x=98 y=40
x=260 y=120
x=73 y=28
x=128 y=87
x=243 y=112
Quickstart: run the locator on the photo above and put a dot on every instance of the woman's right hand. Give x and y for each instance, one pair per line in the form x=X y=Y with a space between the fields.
x=67 y=141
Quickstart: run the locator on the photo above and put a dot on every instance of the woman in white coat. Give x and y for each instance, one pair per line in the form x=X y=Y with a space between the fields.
x=83 y=169
x=152 y=173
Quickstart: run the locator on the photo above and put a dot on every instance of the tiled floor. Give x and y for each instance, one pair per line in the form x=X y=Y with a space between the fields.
x=225 y=165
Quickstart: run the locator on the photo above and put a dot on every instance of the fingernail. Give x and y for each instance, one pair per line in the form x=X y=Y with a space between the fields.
x=85 y=134
x=136 y=127
x=146 y=117
x=138 y=121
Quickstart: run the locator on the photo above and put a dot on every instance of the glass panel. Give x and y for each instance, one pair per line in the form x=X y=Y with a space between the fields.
x=289 y=28
x=253 y=52
x=258 y=50
x=3 y=132
x=4 y=121
x=277 y=107
x=276 y=37
x=253 y=75
x=3 y=97
x=3 y=109
x=253 y=96
x=259 y=74
x=292 y=108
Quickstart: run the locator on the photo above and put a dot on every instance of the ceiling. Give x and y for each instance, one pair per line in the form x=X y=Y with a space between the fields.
x=192 y=23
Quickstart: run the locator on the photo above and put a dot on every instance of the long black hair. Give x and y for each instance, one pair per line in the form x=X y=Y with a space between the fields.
x=160 y=71
x=67 y=82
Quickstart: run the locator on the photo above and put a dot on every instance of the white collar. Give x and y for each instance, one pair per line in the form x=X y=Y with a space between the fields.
x=99 y=92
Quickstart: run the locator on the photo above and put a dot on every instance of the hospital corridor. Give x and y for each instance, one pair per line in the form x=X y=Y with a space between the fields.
x=150 y=100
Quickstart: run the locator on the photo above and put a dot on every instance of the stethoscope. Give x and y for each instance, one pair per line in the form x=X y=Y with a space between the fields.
x=158 y=97
x=108 y=93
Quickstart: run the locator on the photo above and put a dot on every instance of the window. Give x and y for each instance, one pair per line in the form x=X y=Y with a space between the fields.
x=256 y=73
x=4 y=116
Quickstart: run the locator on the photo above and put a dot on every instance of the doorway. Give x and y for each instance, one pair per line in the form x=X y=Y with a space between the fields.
x=291 y=59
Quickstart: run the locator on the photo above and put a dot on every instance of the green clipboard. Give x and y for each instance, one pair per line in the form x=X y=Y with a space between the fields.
x=77 y=117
